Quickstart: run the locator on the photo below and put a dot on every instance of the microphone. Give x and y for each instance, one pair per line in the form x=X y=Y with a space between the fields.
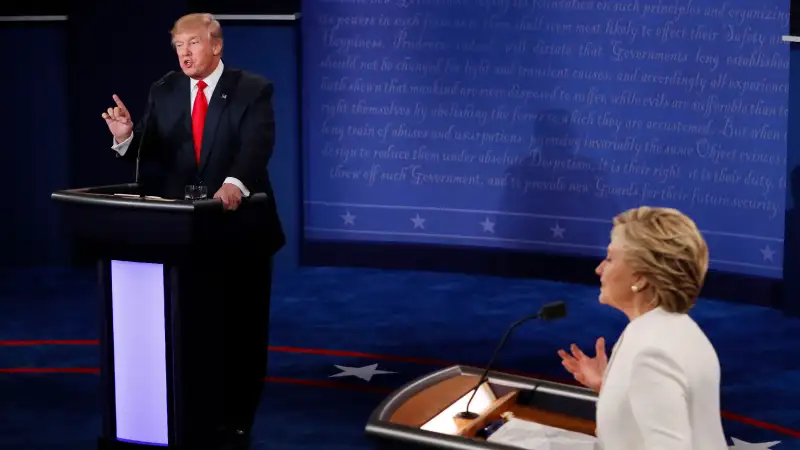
x=550 y=311
x=145 y=123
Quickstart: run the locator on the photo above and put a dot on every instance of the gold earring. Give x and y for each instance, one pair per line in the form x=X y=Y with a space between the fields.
x=635 y=288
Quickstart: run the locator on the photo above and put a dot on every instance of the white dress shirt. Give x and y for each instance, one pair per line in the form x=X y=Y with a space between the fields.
x=211 y=82
x=661 y=388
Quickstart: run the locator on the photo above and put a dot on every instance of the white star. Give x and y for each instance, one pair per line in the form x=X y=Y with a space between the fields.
x=739 y=444
x=365 y=373
x=419 y=222
x=768 y=253
x=558 y=232
x=348 y=218
x=488 y=225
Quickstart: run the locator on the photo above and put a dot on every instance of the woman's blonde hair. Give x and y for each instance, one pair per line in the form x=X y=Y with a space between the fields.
x=665 y=247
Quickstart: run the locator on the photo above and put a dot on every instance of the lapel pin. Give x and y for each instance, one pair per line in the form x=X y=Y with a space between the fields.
x=224 y=95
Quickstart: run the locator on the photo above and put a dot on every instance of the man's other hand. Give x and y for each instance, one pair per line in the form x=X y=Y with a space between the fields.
x=230 y=195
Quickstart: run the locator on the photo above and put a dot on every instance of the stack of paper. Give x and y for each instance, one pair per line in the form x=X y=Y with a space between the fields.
x=534 y=436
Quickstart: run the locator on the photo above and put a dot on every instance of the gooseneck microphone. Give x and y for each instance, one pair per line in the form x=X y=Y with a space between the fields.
x=550 y=311
x=145 y=123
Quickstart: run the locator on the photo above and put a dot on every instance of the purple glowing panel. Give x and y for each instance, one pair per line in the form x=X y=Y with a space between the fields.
x=140 y=363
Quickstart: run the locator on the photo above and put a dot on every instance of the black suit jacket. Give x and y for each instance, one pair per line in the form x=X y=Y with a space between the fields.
x=238 y=139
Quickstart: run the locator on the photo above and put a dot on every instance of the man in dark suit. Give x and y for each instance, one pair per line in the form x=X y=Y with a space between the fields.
x=214 y=126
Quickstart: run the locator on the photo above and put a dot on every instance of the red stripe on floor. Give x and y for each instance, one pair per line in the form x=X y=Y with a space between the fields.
x=284 y=380
x=328 y=384
x=345 y=353
x=47 y=342
x=760 y=424
x=318 y=351
x=403 y=359
x=49 y=370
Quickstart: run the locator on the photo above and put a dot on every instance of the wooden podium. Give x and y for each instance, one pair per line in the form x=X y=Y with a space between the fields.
x=420 y=414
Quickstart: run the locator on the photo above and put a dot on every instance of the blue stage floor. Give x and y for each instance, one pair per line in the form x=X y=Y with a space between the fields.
x=408 y=323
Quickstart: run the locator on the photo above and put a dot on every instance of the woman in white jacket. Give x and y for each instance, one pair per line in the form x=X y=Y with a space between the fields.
x=661 y=388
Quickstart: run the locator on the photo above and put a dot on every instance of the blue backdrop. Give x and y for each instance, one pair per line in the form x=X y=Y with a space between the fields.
x=34 y=160
x=500 y=124
x=276 y=45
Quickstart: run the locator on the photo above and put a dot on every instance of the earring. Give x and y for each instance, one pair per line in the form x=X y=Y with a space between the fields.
x=635 y=288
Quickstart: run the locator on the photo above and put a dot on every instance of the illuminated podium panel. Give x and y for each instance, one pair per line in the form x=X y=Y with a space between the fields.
x=160 y=355
x=420 y=415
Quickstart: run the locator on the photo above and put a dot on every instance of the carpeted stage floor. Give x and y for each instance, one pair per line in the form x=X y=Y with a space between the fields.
x=408 y=323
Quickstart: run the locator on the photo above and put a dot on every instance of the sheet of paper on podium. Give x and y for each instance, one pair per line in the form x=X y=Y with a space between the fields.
x=146 y=197
x=534 y=436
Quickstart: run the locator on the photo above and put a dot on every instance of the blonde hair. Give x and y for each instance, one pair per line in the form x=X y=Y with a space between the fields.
x=666 y=248
x=198 y=20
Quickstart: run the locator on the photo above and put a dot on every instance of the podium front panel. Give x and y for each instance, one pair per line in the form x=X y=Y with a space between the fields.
x=140 y=355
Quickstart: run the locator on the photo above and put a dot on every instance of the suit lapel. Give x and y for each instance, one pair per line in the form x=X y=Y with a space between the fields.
x=219 y=100
x=183 y=103
x=182 y=111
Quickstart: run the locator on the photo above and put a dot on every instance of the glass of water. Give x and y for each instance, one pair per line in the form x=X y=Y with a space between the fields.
x=195 y=192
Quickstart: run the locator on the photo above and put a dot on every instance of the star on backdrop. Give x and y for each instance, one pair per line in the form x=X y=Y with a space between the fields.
x=739 y=444
x=488 y=225
x=768 y=253
x=558 y=232
x=348 y=218
x=365 y=373
x=419 y=222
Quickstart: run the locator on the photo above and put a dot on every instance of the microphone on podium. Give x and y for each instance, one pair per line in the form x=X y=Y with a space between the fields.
x=145 y=123
x=550 y=311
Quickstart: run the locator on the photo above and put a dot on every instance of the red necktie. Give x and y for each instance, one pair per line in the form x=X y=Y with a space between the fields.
x=199 y=118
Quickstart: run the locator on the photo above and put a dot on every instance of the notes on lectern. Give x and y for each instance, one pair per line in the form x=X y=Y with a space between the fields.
x=146 y=197
x=533 y=436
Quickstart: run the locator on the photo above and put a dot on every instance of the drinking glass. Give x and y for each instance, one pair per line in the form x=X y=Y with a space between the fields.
x=195 y=192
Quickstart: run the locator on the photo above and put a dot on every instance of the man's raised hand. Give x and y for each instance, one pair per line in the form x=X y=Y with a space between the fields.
x=119 y=120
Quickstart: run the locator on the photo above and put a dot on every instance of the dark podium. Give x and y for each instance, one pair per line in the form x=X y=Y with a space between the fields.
x=160 y=360
x=420 y=414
